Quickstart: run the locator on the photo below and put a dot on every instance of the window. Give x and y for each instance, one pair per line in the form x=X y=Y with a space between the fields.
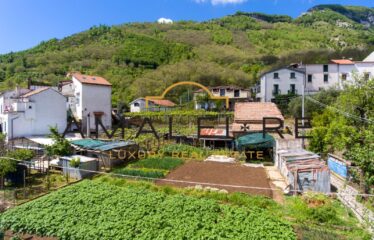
x=292 y=89
x=344 y=76
x=136 y=104
x=222 y=92
x=326 y=78
x=276 y=89
x=276 y=75
x=325 y=68
x=310 y=78
x=293 y=75
x=236 y=93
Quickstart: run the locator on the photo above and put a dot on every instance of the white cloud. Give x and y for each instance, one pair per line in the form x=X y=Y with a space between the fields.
x=165 y=21
x=222 y=2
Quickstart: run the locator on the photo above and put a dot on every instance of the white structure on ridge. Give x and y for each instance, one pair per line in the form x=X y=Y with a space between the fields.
x=25 y=113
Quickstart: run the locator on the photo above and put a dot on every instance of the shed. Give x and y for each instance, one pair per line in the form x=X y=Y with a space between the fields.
x=86 y=168
x=302 y=169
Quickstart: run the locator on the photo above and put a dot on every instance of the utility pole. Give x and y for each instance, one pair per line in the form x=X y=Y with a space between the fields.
x=303 y=109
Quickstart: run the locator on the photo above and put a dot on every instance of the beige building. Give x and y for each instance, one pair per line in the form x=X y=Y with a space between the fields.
x=235 y=94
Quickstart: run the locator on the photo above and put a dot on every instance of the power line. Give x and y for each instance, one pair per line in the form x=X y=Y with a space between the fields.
x=193 y=182
x=340 y=111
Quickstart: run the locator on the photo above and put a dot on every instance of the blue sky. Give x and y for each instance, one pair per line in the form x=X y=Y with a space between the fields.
x=25 y=23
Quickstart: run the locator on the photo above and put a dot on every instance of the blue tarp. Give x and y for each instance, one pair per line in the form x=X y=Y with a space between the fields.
x=254 y=140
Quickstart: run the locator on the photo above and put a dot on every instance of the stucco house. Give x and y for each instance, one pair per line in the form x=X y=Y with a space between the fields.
x=234 y=93
x=25 y=112
x=138 y=105
x=89 y=96
x=285 y=80
x=312 y=77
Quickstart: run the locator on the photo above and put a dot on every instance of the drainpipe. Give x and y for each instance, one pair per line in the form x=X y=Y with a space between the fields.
x=11 y=129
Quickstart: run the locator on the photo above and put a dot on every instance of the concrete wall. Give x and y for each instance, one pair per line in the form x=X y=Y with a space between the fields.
x=317 y=72
x=36 y=114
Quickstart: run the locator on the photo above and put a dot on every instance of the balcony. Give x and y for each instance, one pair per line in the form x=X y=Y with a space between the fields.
x=292 y=92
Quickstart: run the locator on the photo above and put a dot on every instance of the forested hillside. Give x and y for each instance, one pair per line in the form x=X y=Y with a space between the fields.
x=144 y=58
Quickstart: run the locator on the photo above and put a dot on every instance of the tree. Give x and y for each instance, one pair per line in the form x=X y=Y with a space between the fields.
x=347 y=126
x=60 y=147
x=6 y=165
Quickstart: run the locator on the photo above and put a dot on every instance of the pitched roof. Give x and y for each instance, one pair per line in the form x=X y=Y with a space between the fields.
x=34 y=92
x=163 y=102
x=255 y=111
x=300 y=70
x=342 y=61
x=94 y=80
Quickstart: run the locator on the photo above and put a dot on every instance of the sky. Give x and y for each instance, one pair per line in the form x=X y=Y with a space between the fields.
x=25 y=23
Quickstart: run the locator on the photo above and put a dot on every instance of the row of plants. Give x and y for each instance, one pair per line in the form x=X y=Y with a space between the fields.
x=77 y=212
x=152 y=167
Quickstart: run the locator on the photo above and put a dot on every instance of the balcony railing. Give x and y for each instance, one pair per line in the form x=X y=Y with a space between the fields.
x=276 y=92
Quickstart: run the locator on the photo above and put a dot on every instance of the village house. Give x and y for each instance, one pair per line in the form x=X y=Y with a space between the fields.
x=138 y=105
x=285 y=80
x=88 y=96
x=25 y=112
x=235 y=94
x=312 y=78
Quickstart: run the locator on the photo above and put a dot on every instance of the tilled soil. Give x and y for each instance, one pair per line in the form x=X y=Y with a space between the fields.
x=251 y=180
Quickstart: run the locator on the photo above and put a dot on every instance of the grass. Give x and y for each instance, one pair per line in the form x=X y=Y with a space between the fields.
x=141 y=172
x=165 y=163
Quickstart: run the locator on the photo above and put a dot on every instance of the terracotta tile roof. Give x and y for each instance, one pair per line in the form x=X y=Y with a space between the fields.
x=342 y=61
x=94 y=80
x=163 y=102
x=255 y=111
x=34 y=92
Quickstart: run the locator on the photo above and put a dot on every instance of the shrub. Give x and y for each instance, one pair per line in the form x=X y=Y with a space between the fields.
x=148 y=173
x=166 y=163
x=75 y=162
x=21 y=154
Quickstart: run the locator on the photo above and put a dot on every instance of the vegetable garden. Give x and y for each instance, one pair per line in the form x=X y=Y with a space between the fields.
x=97 y=210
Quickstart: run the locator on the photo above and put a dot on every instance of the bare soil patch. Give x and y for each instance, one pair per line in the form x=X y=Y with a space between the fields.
x=218 y=175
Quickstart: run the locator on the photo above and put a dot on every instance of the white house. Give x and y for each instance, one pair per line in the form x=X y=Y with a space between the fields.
x=316 y=77
x=89 y=96
x=30 y=113
x=286 y=80
x=234 y=93
x=138 y=105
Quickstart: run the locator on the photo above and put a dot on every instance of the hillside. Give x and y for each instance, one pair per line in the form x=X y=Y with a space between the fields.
x=144 y=58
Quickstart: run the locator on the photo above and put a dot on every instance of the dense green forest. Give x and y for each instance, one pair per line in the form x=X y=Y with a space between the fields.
x=144 y=58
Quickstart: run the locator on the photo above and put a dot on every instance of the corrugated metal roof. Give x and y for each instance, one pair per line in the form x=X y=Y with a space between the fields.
x=93 y=144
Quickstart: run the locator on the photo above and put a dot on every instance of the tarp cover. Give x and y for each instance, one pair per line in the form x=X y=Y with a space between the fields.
x=254 y=140
x=100 y=145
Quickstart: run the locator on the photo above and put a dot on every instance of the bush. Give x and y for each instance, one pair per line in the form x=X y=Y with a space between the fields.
x=149 y=173
x=165 y=163
x=21 y=154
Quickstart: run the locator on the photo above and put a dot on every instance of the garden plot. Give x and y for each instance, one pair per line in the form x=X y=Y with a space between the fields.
x=97 y=210
x=220 y=175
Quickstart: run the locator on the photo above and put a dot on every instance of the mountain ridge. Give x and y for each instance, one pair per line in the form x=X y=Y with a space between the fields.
x=144 y=58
